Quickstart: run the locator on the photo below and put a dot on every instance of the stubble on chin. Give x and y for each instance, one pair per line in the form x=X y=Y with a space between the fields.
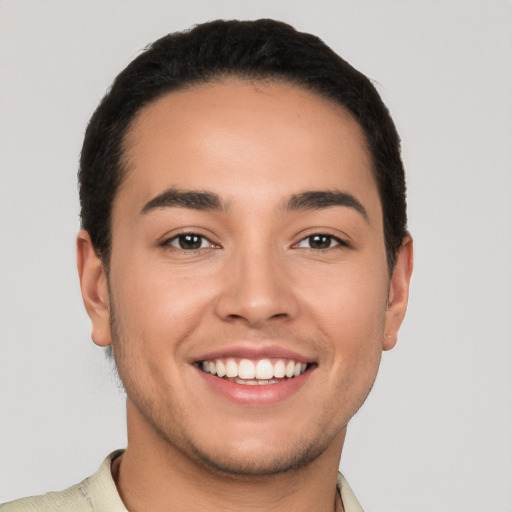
x=161 y=422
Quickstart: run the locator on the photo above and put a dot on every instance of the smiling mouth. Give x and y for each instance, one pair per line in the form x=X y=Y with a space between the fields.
x=249 y=372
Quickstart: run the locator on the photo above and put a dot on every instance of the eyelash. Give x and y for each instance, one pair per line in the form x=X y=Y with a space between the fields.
x=182 y=236
x=331 y=238
x=178 y=239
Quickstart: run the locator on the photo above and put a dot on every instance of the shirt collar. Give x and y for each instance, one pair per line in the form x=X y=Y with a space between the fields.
x=101 y=490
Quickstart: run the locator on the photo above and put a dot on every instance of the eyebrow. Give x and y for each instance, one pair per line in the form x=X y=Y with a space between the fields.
x=320 y=199
x=174 y=198
x=204 y=200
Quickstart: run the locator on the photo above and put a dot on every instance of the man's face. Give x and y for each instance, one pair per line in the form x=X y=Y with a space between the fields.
x=247 y=234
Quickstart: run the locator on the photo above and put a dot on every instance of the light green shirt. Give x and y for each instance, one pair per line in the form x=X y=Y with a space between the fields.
x=98 y=493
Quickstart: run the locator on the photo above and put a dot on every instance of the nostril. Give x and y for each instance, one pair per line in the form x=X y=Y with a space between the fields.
x=279 y=315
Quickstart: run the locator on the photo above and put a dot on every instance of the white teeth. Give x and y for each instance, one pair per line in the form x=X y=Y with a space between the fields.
x=279 y=370
x=221 y=369
x=290 y=368
x=231 y=368
x=258 y=382
x=246 y=369
x=254 y=372
x=264 y=370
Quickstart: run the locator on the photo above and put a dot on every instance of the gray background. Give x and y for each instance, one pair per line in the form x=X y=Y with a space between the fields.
x=435 y=435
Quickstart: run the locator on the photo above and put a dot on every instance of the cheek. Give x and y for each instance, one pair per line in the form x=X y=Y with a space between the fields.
x=350 y=303
x=356 y=331
x=158 y=304
x=349 y=314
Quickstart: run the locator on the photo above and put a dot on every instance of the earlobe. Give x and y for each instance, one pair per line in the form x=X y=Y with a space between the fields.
x=398 y=293
x=94 y=288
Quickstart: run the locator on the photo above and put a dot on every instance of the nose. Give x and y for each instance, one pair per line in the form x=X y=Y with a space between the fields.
x=257 y=289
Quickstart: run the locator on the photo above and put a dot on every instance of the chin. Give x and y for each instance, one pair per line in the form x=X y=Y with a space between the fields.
x=254 y=461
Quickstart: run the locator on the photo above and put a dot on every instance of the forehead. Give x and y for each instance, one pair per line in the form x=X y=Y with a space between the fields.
x=240 y=139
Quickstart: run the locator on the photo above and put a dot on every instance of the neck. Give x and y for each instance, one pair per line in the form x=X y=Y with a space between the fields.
x=154 y=475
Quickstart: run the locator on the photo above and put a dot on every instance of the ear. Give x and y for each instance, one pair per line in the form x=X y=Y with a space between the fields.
x=398 y=292
x=94 y=287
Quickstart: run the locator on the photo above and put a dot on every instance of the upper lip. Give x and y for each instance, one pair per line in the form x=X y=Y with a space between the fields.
x=251 y=351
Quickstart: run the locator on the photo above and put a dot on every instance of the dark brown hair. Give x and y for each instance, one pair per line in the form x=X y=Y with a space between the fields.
x=261 y=49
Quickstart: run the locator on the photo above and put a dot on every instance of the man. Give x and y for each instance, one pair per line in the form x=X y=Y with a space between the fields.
x=244 y=256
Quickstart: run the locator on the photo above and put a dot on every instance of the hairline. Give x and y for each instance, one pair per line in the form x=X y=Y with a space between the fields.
x=225 y=77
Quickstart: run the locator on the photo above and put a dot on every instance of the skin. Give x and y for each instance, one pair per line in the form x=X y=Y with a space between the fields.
x=256 y=281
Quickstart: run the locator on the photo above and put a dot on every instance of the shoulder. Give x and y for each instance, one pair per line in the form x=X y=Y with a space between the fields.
x=95 y=494
x=73 y=499
x=348 y=498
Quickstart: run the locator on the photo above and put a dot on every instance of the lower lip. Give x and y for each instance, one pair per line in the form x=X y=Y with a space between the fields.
x=257 y=395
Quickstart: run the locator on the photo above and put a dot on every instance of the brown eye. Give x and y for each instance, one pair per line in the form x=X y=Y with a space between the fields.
x=189 y=242
x=320 y=242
